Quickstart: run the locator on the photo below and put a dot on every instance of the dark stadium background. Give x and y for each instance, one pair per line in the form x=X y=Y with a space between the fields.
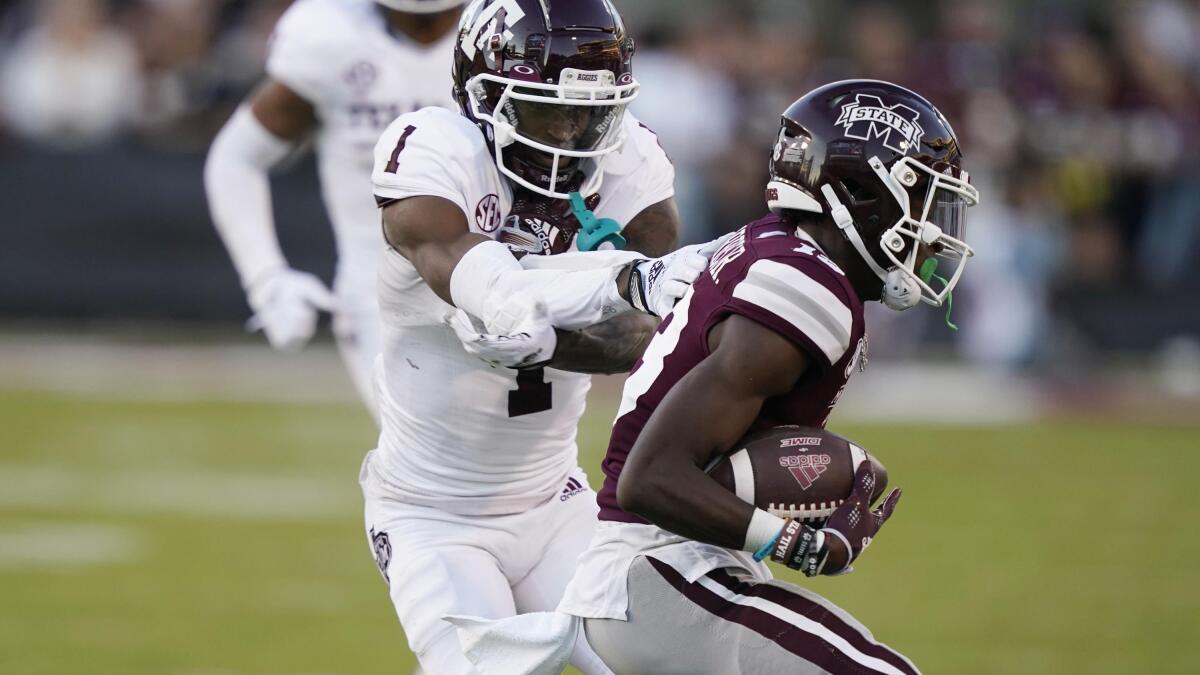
x=175 y=497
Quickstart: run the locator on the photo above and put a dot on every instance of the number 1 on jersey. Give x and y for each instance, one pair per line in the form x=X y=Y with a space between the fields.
x=394 y=160
x=533 y=393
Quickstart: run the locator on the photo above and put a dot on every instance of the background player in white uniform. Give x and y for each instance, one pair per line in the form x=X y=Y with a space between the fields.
x=474 y=500
x=340 y=71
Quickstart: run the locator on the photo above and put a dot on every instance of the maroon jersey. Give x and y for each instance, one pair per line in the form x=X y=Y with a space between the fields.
x=769 y=274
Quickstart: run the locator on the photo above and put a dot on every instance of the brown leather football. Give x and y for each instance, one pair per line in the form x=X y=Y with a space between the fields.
x=794 y=472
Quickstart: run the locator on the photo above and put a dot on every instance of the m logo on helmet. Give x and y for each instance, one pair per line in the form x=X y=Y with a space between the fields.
x=481 y=24
x=867 y=118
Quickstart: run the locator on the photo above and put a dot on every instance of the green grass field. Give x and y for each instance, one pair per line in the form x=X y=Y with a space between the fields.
x=220 y=538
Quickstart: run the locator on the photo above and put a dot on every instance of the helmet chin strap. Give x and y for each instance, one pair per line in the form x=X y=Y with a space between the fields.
x=900 y=290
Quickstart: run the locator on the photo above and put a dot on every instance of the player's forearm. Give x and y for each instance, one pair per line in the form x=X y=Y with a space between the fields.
x=579 y=260
x=239 y=195
x=663 y=480
x=574 y=299
x=702 y=417
x=681 y=498
x=611 y=346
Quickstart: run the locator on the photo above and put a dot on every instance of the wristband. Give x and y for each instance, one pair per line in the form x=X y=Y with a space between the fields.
x=761 y=533
x=637 y=288
x=849 y=552
x=800 y=547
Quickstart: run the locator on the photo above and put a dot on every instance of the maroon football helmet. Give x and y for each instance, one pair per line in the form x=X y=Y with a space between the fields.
x=885 y=165
x=547 y=81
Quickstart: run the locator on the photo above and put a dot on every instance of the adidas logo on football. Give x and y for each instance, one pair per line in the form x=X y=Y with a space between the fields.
x=573 y=488
x=805 y=468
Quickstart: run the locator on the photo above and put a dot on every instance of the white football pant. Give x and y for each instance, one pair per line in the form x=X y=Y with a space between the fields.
x=438 y=563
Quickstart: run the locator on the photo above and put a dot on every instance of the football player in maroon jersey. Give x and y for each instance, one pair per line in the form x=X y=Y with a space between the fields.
x=867 y=197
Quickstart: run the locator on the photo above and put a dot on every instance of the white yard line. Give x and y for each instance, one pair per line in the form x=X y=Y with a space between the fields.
x=181 y=492
x=938 y=394
x=36 y=546
x=121 y=368
x=237 y=370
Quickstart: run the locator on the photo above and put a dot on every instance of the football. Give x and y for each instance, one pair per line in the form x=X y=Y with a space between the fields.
x=794 y=472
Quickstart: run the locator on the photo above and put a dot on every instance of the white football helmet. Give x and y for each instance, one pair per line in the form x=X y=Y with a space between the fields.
x=548 y=85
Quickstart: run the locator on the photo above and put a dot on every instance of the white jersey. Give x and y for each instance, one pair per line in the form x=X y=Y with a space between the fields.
x=458 y=434
x=340 y=56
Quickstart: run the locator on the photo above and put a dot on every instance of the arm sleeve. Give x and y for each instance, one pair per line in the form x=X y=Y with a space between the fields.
x=580 y=260
x=239 y=194
x=488 y=274
x=799 y=303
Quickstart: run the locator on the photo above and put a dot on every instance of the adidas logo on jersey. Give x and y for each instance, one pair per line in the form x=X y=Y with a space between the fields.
x=573 y=488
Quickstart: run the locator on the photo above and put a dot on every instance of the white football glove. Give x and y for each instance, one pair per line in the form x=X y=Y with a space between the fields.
x=518 y=335
x=285 y=307
x=656 y=285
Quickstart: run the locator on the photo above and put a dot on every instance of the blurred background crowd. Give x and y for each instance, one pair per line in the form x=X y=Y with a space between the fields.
x=1080 y=123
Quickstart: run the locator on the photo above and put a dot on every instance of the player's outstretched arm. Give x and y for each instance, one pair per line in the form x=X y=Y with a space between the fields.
x=256 y=137
x=481 y=276
x=615 y=345
x=504 y=318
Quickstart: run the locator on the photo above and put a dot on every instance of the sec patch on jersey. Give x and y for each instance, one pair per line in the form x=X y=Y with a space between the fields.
x=794 y=472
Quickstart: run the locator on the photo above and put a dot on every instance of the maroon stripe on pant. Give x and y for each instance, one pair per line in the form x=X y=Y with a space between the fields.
x=815 y=611
x=799 y=642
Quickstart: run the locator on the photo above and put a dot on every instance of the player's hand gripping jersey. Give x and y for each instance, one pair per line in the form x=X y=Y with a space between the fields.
x=458 y=434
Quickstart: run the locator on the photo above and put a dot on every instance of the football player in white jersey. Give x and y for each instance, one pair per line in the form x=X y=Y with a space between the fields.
x=474 y=500
x=338 y=71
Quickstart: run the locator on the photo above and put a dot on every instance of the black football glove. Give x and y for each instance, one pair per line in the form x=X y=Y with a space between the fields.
x=802 y=547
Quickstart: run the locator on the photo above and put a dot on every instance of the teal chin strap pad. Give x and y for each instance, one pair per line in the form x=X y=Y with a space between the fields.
x=928 y=272
x=593 y=231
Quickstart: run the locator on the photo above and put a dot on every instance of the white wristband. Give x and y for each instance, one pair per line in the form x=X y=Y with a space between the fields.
x=763 y=530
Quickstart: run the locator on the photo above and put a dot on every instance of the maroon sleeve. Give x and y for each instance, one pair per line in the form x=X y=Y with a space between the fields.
x=801 y=297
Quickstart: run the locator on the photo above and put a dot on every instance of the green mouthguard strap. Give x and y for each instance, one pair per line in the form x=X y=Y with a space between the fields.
x=928 y=272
